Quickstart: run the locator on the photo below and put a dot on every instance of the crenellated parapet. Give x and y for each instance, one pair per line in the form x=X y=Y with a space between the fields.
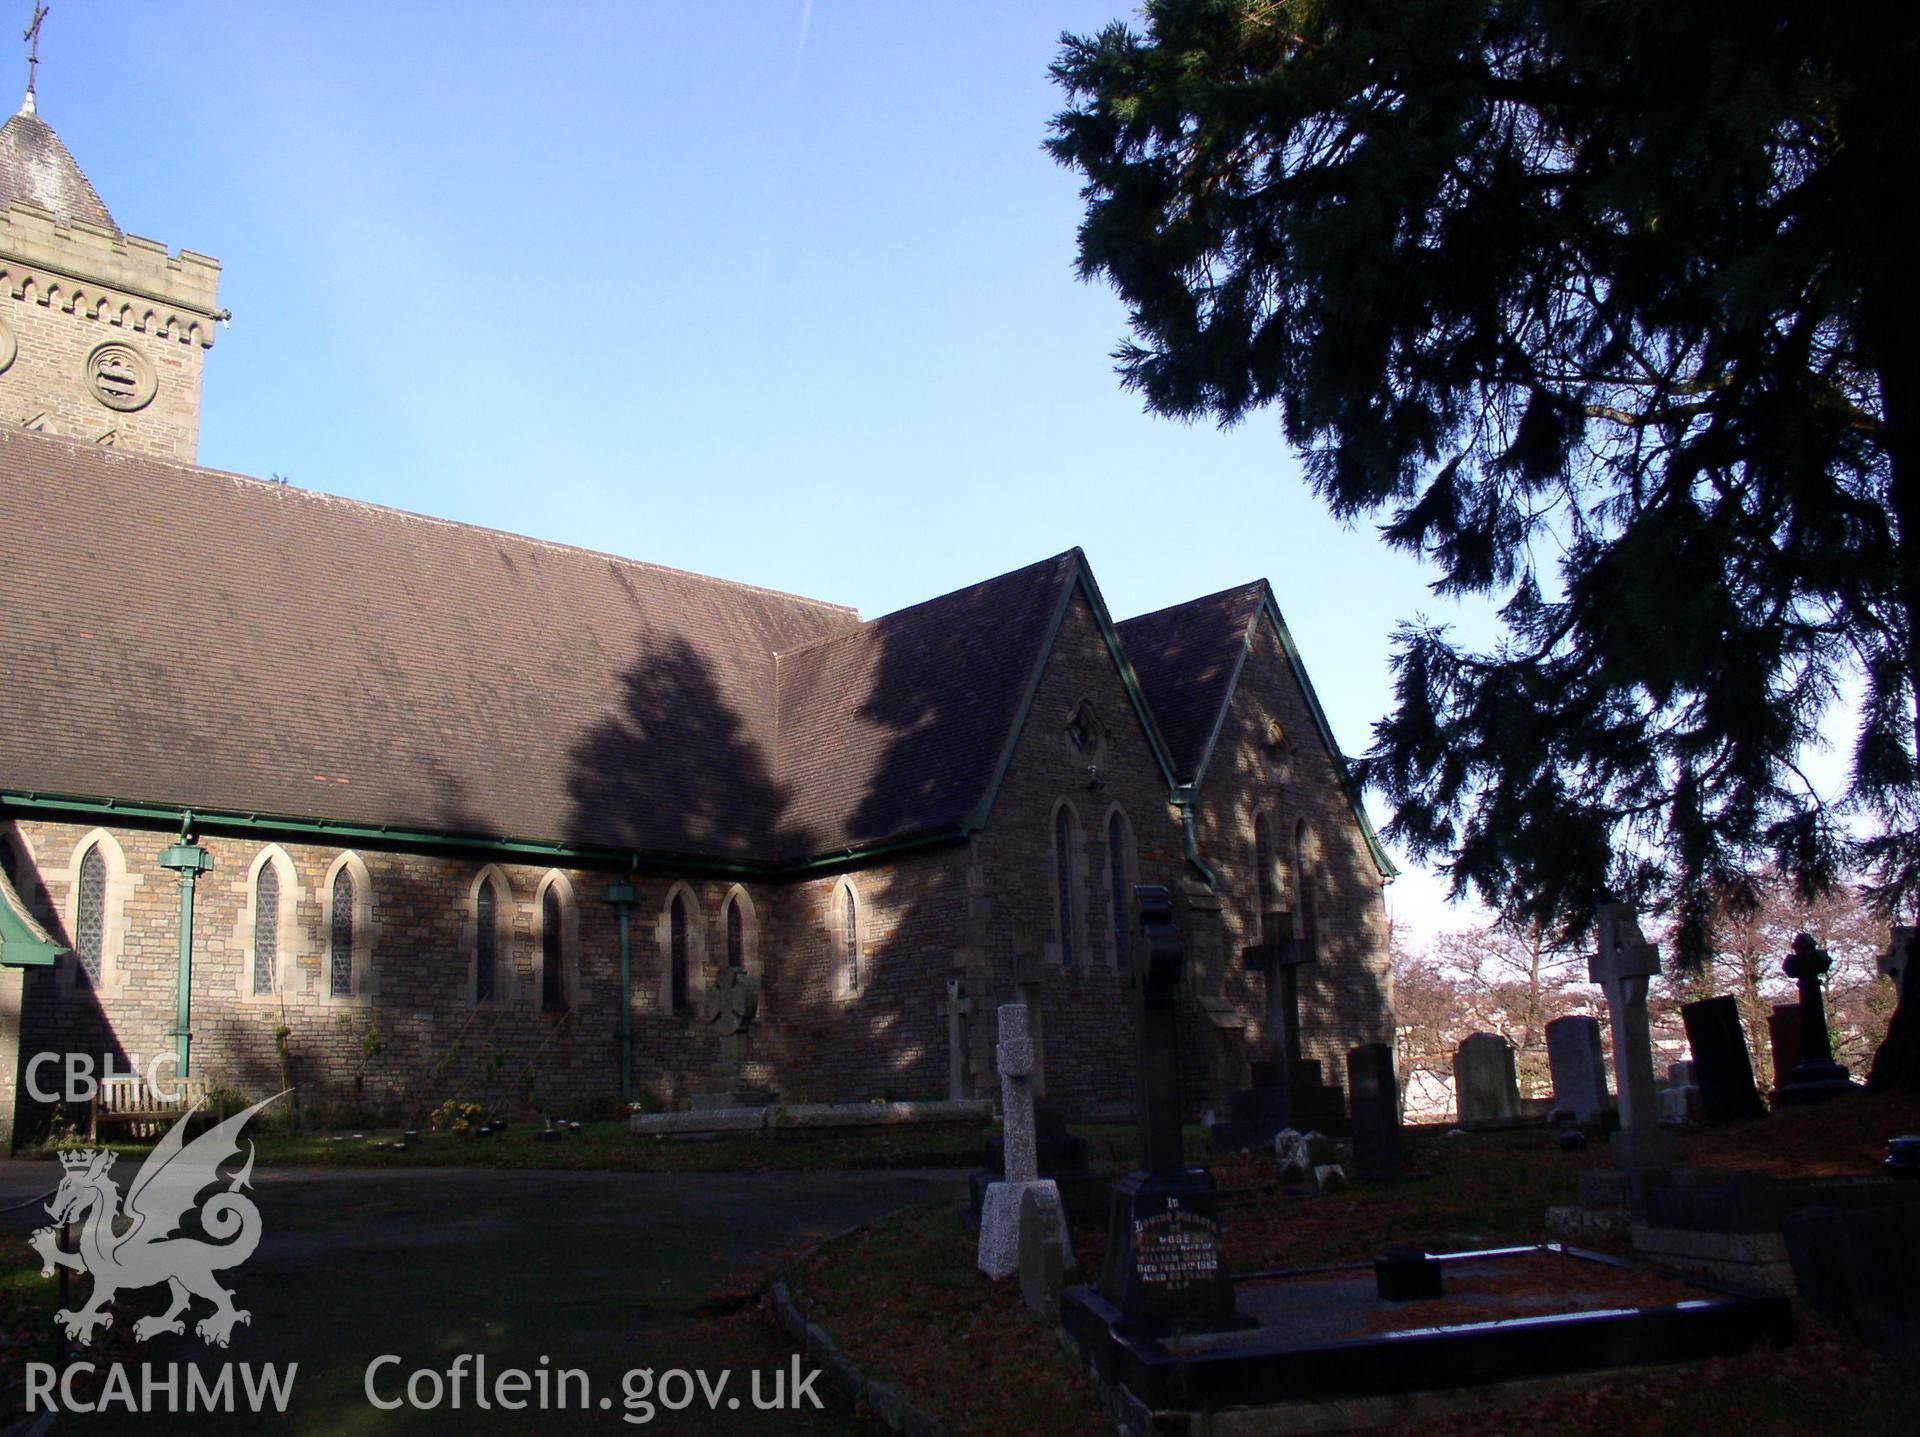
x=92 y=272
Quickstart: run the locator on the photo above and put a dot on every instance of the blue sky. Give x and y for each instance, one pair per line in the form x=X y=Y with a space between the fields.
x=782 y=292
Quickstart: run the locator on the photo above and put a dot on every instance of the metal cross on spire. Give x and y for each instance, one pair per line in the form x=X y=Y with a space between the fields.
x=32 y=35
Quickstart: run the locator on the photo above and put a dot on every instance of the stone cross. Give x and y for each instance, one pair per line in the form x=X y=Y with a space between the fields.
x=1896 y=961
x=1806 y=965
x=733 y=1000
x=1156 y=957
x=1279 y=955
x=1622 y=964
x=954 y=1008
x=1015 y=1055
x=1003 y=1212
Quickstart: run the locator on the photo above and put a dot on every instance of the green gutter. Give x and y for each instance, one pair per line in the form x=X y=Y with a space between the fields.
x=171 y=815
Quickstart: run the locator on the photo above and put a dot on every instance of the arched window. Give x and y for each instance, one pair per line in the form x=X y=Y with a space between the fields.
x=681 y=938
x=1119 y=883
x=1264 y=900
x=90 y=914
x=844 y=928
x=266 y=927
x=486 y=921
x=553 y=970
x=740 y=927
x=268 y=934
x=341 y=929
x=1066 y=924
x=677 y=950
x=852 y=924
x=490 y=939
x=98 y=889
x=1307 y=918
x=559 y=917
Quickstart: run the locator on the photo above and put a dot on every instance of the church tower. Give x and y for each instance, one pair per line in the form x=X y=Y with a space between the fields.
x=102 y=333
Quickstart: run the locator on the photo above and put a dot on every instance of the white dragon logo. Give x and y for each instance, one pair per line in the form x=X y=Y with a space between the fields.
x=137 y=1247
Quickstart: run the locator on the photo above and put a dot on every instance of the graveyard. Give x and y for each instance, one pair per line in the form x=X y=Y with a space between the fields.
x=1619 y=1262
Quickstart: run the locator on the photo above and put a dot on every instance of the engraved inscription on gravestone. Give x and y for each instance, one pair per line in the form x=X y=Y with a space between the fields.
x=1176 y=1248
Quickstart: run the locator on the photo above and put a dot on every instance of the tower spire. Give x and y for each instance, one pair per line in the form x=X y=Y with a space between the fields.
x=32 y=36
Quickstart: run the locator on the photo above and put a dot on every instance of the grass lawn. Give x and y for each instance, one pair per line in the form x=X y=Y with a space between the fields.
x=905 y=1302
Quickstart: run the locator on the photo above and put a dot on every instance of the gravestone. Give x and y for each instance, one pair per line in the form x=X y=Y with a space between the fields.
x=1029 y=986
x=1679 y=1095
x=1622 y=964
x=1816 y=1077
x=1721 y=1066
x=1484 y=1082
x=1164 y=1266
x=733 y=999
x=1579 y=1067
x=1897 y=961
x=1058 y=1154
x=1896 y=1065
x=956 y=1008
x=1783 y=1038
x=999 y=1249
x=1044 y=1259
x=1287 y=1090
x=1376 y=1113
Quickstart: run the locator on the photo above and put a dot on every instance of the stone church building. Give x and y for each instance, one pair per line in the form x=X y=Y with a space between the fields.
x=466 y=813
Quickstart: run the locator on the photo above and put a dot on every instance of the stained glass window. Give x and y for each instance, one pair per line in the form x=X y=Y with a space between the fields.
x=677 y=944
x=341 y=956
x=553 y=988
x=486 y=937
x=736 y=943
x=90 y=913
x=266 y=927
x=851 y=922
x=1117 y=880
x=1063 y=877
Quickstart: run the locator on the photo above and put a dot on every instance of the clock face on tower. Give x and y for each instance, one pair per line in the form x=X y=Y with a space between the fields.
x=119 y=376
x=9 y=346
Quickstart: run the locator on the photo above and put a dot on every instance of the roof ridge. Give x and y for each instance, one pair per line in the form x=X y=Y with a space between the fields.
x=1188 y=603
x=109 y=455
x=910 y=608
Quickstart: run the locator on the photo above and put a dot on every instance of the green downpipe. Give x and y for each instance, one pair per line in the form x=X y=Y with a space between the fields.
x=623 y=895
x=1183 y=800
x=189 y=860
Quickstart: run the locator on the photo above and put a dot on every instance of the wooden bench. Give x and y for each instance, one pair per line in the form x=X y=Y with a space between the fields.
x=145 y=1113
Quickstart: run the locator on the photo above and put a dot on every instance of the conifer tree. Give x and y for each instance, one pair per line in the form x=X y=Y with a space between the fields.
x=1607 y=309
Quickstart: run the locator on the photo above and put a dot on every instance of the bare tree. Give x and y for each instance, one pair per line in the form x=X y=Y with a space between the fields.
x=1750 y=943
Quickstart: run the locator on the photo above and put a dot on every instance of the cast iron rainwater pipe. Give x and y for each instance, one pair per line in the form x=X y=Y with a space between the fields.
x=189 y=860
x=623 y=895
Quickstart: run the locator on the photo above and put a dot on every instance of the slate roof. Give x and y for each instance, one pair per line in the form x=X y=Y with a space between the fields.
x=36 y=169
x=183 y=637
x=908 y=716
x=1186 y=658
